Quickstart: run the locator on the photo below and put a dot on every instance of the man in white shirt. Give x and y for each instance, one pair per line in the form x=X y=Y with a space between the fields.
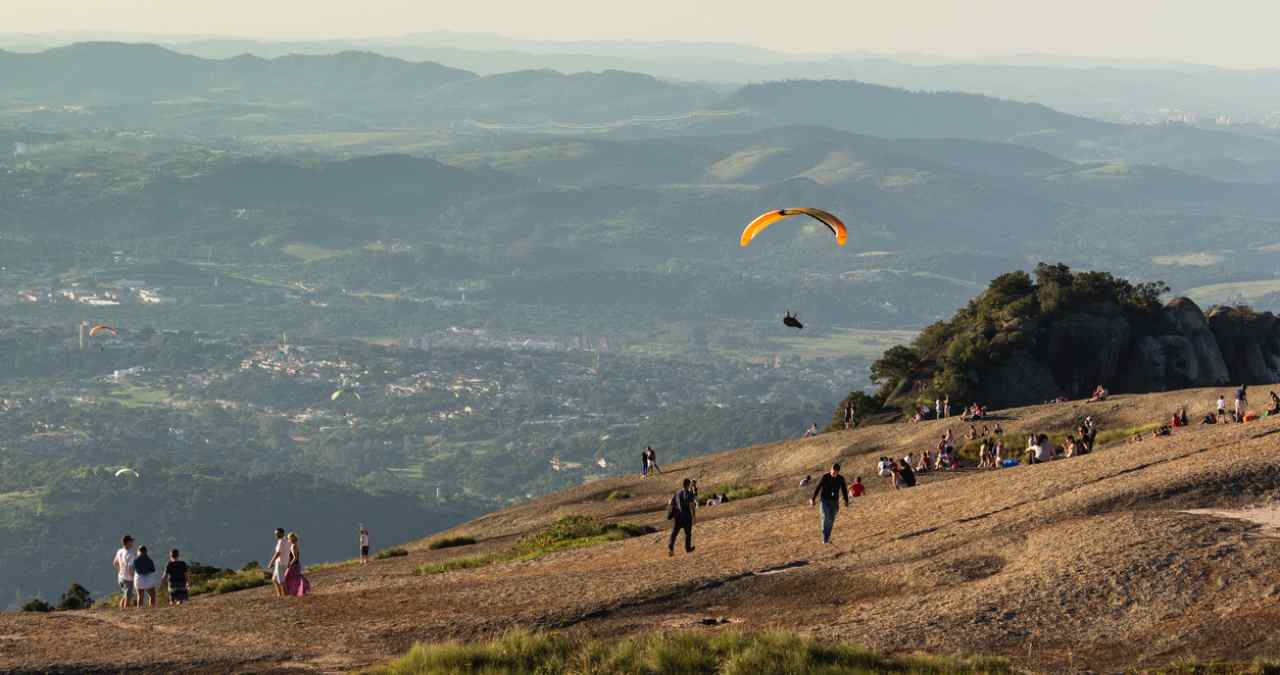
x=364 y=546
x=279 y=560
x=123 y=563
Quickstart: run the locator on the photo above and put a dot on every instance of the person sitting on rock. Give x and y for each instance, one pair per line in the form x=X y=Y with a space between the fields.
x=923 y=465
x=884 y=468
x=1275 y=404
x=1099 y=394
x=971 y=434
x=1034 y=450
x=806 y=480
x=1209 y=418
x=1047 y=449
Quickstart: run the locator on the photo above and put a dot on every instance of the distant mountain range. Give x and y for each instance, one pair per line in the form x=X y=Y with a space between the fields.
x=1143 y=91
x=145 y=86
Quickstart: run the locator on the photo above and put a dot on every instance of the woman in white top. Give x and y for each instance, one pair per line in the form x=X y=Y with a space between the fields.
x=364 y=546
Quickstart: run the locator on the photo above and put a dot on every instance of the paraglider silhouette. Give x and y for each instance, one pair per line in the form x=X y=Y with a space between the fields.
x=792 y=321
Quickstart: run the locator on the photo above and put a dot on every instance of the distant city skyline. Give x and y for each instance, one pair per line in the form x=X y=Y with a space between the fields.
x=1232 y=33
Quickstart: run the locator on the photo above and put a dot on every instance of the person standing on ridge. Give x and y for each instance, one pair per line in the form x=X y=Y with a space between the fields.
x=680 y=512
x=364 y=546
x=124 y=569
x=830 y=489
x=279 y=561
x=1241 y=403
x=946 y=406
x=176 y=574
x=650 y=457
x=146 y=579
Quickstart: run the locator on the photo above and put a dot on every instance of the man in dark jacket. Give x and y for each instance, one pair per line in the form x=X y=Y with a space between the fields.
x=830 y=489
x=680 y=513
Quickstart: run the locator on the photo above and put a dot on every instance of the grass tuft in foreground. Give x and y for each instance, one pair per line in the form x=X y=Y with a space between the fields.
x=727 y=653
x=570 y=532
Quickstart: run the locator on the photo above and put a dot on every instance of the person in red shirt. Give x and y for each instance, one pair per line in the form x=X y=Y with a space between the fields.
x=856 y=489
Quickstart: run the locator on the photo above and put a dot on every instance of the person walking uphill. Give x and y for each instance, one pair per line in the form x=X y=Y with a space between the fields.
x=680 y=512
x=830 y=489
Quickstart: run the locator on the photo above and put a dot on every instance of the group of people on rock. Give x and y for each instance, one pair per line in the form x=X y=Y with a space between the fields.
x=1040 y=448
x=139 y=578
x=286 y=565
x=1235 y=414
x=649 y=462
x=901 y=472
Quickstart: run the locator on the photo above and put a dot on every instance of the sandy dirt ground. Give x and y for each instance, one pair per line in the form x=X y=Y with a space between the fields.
x=1104 y=562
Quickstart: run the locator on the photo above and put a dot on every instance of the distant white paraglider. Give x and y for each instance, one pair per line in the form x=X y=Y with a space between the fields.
x=602 y=463
x=127 y=472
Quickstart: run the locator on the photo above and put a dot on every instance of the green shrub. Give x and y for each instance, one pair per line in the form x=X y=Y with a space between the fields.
x=727 y=653
x=388 y=553
x=568 y=533
x=76 y=597
x=450 y=542
x=229 y=582
x=37 y=605
x=617 y=495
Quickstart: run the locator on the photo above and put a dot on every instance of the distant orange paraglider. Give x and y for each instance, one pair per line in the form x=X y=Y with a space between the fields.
x=103 y=328
x=764 y=220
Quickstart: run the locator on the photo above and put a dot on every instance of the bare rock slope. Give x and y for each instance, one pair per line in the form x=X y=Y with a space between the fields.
x=1093 y=562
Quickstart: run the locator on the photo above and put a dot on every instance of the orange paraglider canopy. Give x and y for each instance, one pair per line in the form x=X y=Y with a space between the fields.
x=102 y=328
x=764 y=220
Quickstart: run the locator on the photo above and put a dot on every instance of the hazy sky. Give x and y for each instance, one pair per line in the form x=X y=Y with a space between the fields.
x=1238 y=33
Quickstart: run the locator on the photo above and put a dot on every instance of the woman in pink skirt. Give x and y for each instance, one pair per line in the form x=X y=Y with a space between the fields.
x=294 y=583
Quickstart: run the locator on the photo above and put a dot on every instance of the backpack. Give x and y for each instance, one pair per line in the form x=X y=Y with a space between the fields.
x=144 y=565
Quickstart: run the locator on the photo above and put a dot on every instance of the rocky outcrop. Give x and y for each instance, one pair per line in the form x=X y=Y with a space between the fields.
x=1204 y=362
x=1178 y=347
x=1250 y=343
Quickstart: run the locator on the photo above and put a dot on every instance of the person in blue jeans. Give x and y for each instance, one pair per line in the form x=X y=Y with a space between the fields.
x=829 y=492
x=680 y=511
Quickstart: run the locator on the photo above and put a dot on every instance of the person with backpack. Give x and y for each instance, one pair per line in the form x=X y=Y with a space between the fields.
x=830 y=489
x=680 y=511
x=145 y=578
